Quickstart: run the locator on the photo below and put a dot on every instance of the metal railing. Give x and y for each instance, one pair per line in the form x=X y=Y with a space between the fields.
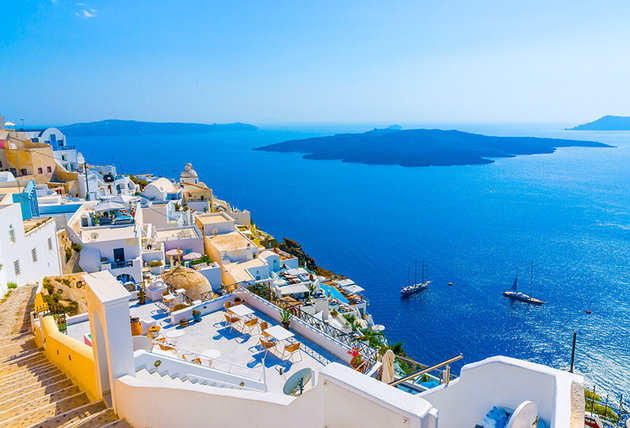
x=445 y=379
x=173 y=290
x=367 y=352
x=610 y=413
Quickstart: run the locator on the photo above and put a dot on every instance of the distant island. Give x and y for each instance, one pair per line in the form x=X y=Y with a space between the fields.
x=115 y=128
x=421 y=147
x=605 y=123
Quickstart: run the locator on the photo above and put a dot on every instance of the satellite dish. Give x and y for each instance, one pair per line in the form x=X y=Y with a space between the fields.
x=108 y=178
x=94 y=235
x=296 y=383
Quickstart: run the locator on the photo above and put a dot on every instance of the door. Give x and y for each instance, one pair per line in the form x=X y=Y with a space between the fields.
x=119 y=254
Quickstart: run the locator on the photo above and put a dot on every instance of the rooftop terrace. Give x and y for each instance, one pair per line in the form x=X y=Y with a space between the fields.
x=238 y=352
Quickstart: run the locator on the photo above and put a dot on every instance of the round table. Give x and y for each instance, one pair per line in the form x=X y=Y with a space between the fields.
x=174 y=334
x=209 y=354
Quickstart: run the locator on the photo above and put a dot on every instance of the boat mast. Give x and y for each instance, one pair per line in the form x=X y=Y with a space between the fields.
x=415 y=271
x=408 y=275
x=531 y=281
x=423 y=271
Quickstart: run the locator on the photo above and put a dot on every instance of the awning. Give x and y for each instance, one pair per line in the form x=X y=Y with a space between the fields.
x=293 y=289
x=354 y=289
x=108 y=206
x=192 y=256
x=345 y=282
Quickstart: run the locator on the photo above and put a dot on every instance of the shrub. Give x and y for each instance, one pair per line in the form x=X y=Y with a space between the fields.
x=65 y=281
x=68 y=252
x=179 y=307
x=155 y=263
x=11 y=285
x=76 y=247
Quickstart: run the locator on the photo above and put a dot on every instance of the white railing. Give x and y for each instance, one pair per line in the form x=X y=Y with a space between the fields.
x=222 y=370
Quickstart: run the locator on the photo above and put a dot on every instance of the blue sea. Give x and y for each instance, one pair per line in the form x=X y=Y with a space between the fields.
x=474 y=226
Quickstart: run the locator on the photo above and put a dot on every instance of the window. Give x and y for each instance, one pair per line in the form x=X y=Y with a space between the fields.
x=40 y=171
x=34 y=255
x=63 y=157
x=49 y=169
x=11 y=234
x=0 y=164
x=23 y=171
x=50 y=244
x=16 y=267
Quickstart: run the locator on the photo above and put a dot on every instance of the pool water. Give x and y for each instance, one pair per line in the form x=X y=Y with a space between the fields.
x=330 y=290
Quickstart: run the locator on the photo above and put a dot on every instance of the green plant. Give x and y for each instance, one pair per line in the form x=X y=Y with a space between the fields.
x=68 y=252
x=196 y=312
x=334 y=312
x=65 y=281
x=155 y=263
x=203 y=259
x=76 y=247
x=141 y=296
x=11 y=285
x=179 y=307
x=285 y=316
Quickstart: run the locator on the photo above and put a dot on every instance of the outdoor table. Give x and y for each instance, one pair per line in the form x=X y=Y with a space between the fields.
x=174 y=334
x=208 y=355
x=279 y=333
x=168 y=298
x=241 y=310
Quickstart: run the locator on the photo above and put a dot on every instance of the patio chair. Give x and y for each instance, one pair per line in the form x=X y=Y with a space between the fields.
x=193 y=358
x=292 y=349
x=231 y=320
x=228 y=305
x=264 y=326
x=164 y=345
x=267 y=345
x=250 y=325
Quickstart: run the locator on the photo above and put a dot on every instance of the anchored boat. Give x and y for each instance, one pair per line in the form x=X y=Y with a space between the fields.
x=514 y=294
x=417 y=286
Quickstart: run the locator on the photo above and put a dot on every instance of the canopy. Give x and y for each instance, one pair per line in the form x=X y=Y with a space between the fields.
x=108 y=206
x=123 y=199
x=192 y=256
x=345 y=282
x=378 y=327
x=174 y=252
x=354 y=289
x=388 y=367
x=293 y=289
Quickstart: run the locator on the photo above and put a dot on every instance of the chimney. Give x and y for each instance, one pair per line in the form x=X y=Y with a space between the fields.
x=1 y=122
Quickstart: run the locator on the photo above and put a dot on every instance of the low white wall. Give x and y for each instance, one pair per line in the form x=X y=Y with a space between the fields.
x=505 y=382
x=342 y=398
x=176 y=367
x=333 y=346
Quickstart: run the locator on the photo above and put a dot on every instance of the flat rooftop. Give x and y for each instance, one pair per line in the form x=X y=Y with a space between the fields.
x=241 y=349
x=178 y=233
x=229 y=241
x=214 y=218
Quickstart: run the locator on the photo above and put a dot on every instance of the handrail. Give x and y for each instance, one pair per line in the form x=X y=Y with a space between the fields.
x=198 y=354
x=428 y=369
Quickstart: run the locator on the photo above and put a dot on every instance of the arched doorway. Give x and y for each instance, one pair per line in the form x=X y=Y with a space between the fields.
x=124 y=278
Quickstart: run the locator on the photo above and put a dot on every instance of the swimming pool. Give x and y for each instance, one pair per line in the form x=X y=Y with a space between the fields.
x=329 y=289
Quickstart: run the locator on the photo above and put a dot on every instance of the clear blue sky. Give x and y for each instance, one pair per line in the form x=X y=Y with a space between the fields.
x=269 y=62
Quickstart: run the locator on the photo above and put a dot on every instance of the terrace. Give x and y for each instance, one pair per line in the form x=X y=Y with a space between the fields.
x=216 y=345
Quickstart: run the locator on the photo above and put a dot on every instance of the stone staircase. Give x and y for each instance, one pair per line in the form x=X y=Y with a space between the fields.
x=33 y=392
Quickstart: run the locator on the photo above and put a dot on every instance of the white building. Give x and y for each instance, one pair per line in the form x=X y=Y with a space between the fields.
x=215 y=223
x=28 y=250
x=162 y=189
x=65 y=154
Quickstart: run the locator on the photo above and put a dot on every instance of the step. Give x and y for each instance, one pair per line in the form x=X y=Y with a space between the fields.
x=66 y=407
x=9 y=338
x=31 y=387
x=23 y=405
x=33 y=374
x=97 y=420
x=41 y=396
x=35 y=366
x=22 y=395
x=72 y=417
x=27 y=380
x=17 y=364
x=120 y=423
x=8 y=360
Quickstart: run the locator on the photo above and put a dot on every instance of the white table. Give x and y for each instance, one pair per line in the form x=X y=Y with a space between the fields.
x=279 y=333
x=241 y=310
x=211 y=353
x=174 y=335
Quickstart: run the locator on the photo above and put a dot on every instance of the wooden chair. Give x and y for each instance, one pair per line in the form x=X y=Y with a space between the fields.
x=231 y=320
x=164 y=345
x=267 y=345
x=250 y=325
x=264 y=326
x=292 y=349
x=192 y=358
x=228 y=305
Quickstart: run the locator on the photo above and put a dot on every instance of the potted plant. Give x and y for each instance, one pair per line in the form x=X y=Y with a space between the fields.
x=142 y=296
x=183 y=323
x=238 y=300
x=285 y=318
x=60 y=318
x=196 y=315
x=334 y=312
x=356 y=360
x=156 y=267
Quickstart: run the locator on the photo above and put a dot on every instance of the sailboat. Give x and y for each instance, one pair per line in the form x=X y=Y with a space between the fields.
x=514 y=294
x=417 y=286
